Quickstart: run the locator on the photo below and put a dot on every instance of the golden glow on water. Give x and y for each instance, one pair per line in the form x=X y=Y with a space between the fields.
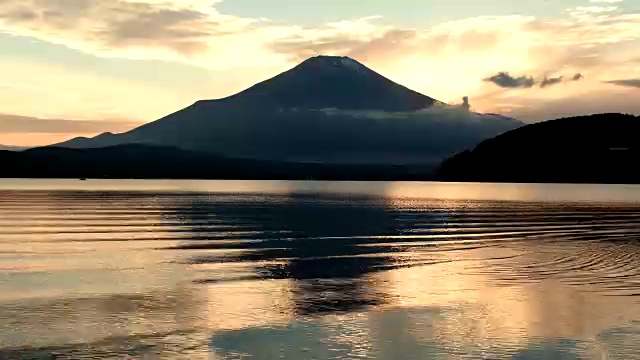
x=476 y=310
x=482 y=308
x=174 y=274
x=244 y=304
x=391 y=190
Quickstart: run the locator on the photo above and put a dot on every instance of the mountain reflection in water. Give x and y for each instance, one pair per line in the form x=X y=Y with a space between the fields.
x=317 y=274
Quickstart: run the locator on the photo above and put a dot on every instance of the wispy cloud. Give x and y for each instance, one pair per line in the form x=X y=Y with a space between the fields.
x=582 y=10
x=195 y=31
x=551 y=81
x=379 y=44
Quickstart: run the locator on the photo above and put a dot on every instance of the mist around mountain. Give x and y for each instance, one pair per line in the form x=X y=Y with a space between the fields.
x=326 y=109
x=603 y=148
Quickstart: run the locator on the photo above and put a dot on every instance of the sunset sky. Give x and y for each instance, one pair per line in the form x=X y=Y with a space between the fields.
x=81 y=67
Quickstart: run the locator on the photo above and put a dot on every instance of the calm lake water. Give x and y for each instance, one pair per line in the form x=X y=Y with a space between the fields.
x=318 y=270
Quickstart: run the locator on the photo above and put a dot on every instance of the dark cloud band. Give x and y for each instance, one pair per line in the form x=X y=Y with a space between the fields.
x=504 y=80
x=625 y=82
x=25 y=124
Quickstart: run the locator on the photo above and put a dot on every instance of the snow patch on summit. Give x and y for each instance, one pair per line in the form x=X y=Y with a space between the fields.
x=337 y=61
x=352 y=64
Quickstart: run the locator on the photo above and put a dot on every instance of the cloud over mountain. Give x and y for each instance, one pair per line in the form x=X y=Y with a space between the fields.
x=195 y=29
x=446 y=59
x=503 y=79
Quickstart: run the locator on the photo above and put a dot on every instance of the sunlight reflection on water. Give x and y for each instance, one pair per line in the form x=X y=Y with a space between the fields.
x=318 y=270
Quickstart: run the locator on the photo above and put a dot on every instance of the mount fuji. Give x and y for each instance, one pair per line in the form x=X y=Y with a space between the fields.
x=326 y=109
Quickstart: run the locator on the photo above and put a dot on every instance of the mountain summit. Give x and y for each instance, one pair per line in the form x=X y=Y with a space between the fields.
x=324 y=82
x=328 y=109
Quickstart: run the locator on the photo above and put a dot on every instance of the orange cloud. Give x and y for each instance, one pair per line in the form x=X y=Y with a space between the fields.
x=445 y=61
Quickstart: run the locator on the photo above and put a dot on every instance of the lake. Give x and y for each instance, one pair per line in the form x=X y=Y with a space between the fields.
x=104 y=269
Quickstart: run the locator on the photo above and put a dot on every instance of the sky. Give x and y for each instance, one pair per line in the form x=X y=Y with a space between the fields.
x=82 y=67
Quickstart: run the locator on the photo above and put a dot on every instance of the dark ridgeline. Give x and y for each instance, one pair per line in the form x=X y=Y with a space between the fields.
x=593 y=149
x=154 y=162
x=602 y=148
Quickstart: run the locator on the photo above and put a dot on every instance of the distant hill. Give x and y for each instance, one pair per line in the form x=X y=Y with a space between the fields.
x=154 y=162
x=327 y=109
x=602 y=148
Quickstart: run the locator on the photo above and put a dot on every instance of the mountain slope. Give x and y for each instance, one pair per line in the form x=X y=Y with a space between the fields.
x=325 y=82
x=602 y=148
x=330 y=109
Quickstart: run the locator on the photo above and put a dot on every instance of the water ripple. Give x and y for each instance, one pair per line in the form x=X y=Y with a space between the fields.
x=118 y=270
